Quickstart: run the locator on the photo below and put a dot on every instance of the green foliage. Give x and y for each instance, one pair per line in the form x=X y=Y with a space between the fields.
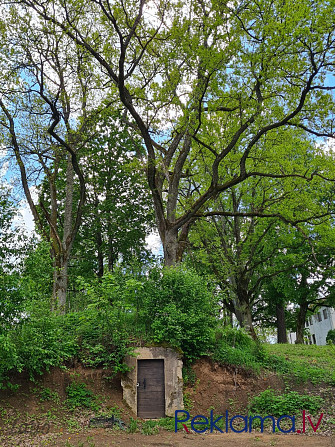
x=79 y=396
x=298 y=363
x=331 y=337
x=42 y=343
x=235 y=347
x=13 y=249
x=269 y=402
x=34 y=345
x=9 y=360
x=177 y=307
x=37 y=273
x=40 y=339
x=12 y=297
x=149 y=427
x=133 y=426
x=167 y=423
x=189 y=376
x=117 y=214
x=302 y=363
x=46 y=394
x=102 y=330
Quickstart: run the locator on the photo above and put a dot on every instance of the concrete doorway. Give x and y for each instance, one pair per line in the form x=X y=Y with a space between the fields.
x=153 y=386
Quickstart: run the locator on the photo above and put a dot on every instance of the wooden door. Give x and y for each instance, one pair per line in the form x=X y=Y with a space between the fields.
x=150 y=389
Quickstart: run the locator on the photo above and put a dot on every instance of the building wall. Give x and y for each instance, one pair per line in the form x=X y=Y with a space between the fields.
x=318 y=327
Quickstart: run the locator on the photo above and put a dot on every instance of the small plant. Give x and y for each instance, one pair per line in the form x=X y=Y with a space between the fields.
x=79 y=396
x=46 y=394
x=114 y=411
x=331 y=337
x=189 y=376
x=132 y=425
x=167 y=423
x=270 y=403
x=188 y=404
x=149 y=428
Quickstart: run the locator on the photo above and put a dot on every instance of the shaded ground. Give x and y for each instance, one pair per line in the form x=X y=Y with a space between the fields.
x=103 y=438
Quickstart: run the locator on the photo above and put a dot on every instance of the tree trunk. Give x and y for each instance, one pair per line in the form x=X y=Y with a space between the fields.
x=62 y=249
x=98 y=237
x=243 y=314
x=170 y=247
x=100 y=272
x=60 y=283
x=281 y=324
x=301 y=320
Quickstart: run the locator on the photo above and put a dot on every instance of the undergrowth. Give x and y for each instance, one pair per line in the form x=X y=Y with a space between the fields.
x=300 y=363
x=269 y=402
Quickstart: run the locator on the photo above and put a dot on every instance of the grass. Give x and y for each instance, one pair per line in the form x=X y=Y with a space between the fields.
x=300 y=363
x=303 y=362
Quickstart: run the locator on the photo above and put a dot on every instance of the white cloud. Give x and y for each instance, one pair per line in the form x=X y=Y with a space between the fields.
x=25 y=217
x=154 y=243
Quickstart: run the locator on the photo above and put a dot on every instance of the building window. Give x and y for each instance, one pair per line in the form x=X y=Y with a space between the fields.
x=314 y=339
x=325 y=314
x=306 y=324
x=318 y=317
x=310 y=321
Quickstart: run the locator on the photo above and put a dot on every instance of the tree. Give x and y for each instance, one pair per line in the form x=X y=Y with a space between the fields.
x=47 y=117
x=308 y=287
x=13 y=247
x=269 y=233
x=205 y=81
x=117 y=214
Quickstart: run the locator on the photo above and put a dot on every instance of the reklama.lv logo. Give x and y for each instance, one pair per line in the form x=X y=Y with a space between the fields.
x=200 y=423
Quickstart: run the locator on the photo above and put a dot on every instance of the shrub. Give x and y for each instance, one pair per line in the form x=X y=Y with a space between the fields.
x=34 y=345
x=79 y=396
x=330 y=339
x=270 y=403
x=236 y=347
x=177 y=307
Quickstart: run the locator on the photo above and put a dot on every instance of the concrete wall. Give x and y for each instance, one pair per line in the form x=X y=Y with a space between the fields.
x=172 y=372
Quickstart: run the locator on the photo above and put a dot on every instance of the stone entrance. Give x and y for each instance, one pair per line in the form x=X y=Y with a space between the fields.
x=149 y=379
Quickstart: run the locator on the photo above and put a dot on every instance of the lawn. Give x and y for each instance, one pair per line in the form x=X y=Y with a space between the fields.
x=304 y=362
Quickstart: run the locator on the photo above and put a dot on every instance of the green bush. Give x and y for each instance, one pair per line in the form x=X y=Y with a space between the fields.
x=269 y=402
x=41 y=343
x=176 y=306
x=330 y=339
x=43 y=339
x=102 y=340
x=79 y=396
x=34 y=345
x=236 y=347
x=150 y=427
x=133 y=426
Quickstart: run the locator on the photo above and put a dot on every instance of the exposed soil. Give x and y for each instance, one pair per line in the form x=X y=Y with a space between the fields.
x=224 y=388
x=27 y=419
x=104 y=438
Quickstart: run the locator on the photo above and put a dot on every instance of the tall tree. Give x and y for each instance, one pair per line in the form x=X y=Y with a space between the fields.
x=47 y=114
x=256 y=233
x=13 y=247
x=118 y=214
x=205 y=80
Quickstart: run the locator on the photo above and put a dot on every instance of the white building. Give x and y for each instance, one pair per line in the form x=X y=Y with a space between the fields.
x=318 y=326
